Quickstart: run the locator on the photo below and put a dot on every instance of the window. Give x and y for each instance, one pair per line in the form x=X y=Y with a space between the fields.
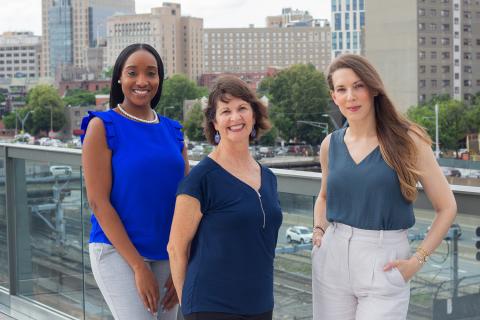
x=445 y=69
x=421 y=83
x=445 y=83
x=444 y=13
x=433 y=69
x=421 y=54
x=467 y=83
x=446 y=55
x=445 y=41
x=434 y=41
x=421 y=40
x=433 y=55
x=421 y=26
x=457 y=75
x=467 y=56
x=421 y=69
x=445 y=27
x=432 y=27
x=433 y=12
x=434 y=83
x=421 y=12
x=467 y=69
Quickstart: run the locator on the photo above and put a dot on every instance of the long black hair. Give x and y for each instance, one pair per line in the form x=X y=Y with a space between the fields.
x=116 y=93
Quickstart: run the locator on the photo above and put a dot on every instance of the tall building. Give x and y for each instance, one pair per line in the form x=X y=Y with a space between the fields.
x=179 y=40
x=245 y=50
x=19 y=55
x=348 y=22
x=70 y=27
x=425 y=48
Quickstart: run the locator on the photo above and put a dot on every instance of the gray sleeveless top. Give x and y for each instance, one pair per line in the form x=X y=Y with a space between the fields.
x=365 y=195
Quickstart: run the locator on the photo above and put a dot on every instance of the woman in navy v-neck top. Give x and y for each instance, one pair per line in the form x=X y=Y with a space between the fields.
x=227 y=216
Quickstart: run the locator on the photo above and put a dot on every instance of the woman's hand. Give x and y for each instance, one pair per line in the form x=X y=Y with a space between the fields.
x=408 y=268
x=317 y=237
x=147 y=287
x=170 y=299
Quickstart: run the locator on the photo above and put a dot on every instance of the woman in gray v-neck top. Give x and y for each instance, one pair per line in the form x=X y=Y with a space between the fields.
x=361 y=260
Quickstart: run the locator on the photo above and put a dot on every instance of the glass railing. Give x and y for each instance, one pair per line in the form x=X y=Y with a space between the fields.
x=45 y=224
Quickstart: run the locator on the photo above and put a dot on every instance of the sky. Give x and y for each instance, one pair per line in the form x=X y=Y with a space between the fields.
x=25 y=15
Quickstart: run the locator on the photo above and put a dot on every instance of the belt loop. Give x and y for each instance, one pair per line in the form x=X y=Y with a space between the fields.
x=380 y=239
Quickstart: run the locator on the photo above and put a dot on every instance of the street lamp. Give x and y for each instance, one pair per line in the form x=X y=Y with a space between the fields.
x=165 y=109
x=22 y=120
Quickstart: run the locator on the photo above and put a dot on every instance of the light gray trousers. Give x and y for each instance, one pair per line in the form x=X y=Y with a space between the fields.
x=116 y=282
x=348 y=280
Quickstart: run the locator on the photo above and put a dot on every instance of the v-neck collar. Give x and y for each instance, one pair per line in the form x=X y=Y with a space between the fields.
x=238 y=179
x=350 y=155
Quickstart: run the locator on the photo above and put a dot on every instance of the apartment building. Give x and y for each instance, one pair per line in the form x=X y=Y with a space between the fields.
x=348 y=23
x=287 y=18
x=19 y=55
x=246 y=50
x=425 y=48
x=178 y=39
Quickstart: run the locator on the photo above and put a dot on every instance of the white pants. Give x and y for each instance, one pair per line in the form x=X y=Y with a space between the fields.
x=116 y=282
x=348 y=279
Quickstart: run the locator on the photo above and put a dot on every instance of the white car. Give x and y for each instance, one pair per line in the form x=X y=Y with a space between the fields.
x=299 y=234
x=60 y=171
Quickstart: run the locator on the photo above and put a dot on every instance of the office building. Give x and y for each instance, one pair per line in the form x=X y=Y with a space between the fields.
x=19 y=55
x=179 y=40
x=348 y=23
x=70 y=27
x=247 y=50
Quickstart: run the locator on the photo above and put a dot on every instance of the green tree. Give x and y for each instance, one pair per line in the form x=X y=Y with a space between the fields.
x=194 y=123
x=269 y=138
x=79 y=97
x=298 y=93
x=2 y=97
x=176 y=89
x=41 y=101
x=452 y=120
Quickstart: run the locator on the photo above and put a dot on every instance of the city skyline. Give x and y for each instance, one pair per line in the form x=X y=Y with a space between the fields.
x=23 y=15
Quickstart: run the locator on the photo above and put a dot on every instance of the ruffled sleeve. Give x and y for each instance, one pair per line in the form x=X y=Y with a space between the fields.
x=176 y=129
x=107 y=123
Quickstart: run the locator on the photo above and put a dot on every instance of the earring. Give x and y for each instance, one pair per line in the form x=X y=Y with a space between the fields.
x=253 y=134
x=119 y=81
x=217 y=137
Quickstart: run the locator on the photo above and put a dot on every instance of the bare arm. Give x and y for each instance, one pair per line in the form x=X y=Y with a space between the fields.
x=170 y=299
x=96 y=162
x=319 y=211
x=186 y=219
x=185 y=158
x=440 y=195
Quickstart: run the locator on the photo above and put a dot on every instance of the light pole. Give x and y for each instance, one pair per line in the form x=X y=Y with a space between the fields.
x=437 y=128
x=437 y=146
x=165 y=109
x=50 y=134
x=22 y=120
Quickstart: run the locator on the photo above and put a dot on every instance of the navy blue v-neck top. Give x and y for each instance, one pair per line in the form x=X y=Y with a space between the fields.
x=364 y=195
x=230 y=269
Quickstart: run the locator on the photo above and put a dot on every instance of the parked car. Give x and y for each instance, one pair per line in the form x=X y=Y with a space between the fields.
x=266 y=152
x=451 y=172
x=299 y=234
x=60 y=171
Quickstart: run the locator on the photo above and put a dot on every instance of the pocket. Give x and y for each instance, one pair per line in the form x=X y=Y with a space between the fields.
x=395 y=277
x=98 y=250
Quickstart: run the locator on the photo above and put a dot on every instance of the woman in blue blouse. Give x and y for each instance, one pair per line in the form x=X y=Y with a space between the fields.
x=133 y=160
x=227 y=216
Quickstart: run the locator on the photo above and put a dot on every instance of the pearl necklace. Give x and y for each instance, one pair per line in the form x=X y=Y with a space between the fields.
x=128 y=115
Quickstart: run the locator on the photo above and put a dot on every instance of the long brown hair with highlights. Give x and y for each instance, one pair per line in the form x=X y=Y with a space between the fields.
x=393 y=129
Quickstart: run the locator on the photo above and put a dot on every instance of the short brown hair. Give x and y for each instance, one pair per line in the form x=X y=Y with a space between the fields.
x=224 y=89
